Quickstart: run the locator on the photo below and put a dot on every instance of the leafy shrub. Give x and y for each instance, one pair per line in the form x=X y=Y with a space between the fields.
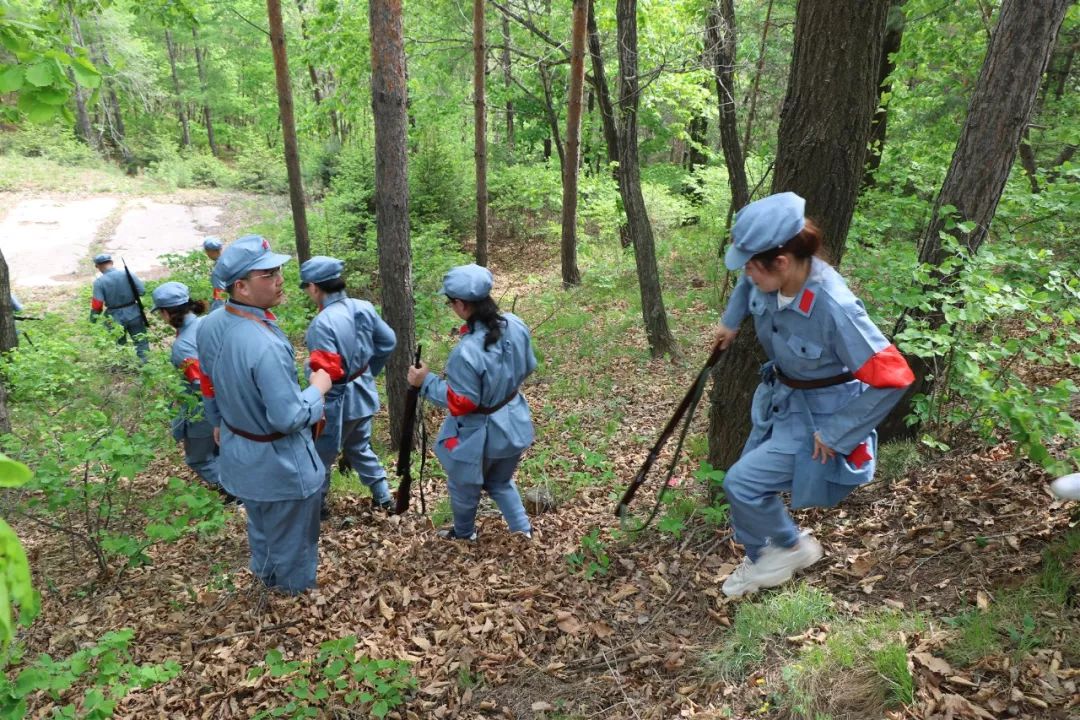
x=261 y=169
x=53 y=141
x=337 y=681
x=101 y=431
x=15 y=586
x=441 y=185
x=105 y=668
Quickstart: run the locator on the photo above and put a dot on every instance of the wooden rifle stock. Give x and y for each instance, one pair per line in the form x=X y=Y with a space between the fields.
x=666 y=433
x=404 y=461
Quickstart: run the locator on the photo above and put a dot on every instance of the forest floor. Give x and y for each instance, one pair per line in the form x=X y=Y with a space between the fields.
x=586 y=622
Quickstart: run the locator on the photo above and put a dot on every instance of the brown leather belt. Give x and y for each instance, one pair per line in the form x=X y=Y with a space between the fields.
x=252 y=436
x=346 y=381
x=496 y=408
x=814 y=384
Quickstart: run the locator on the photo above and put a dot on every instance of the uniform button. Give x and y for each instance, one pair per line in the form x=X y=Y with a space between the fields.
x=774 y=329
x=776 y=408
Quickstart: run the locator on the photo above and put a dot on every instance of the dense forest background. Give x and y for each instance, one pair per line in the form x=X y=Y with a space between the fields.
x=593 y=154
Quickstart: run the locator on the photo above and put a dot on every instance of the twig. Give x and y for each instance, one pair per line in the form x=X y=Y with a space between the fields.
x=614 y=670
x=223 y=638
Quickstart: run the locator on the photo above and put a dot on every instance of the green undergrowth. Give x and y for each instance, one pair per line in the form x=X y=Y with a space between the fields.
x=815 y=661
x=1038 y=613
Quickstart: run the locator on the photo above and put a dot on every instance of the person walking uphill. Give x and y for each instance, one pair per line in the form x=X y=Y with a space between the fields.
x=489 y=426
x=113 y=294
x=264 y=419
x=173 y=302
x=830 y=379
x=351 y=343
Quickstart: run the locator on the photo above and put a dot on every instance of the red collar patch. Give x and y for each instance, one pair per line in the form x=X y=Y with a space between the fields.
x=464 y=329
x=806 y=301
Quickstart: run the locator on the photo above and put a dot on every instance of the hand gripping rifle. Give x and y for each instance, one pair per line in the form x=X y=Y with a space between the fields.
x=135 y=294
x=685 y=409
x=404 y=460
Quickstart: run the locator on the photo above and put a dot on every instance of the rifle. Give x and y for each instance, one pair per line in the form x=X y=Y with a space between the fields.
x=404 y=461
x=685 y=408
x=135 y=293
x=26 y=317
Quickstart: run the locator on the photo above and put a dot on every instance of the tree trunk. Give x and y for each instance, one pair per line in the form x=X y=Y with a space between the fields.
x=181 y=111
x=508 y=81
x=9 y=339
x=757 y=79
x=661 y=341
x=720 y=36
x=552 y=118
x=608 y=122
x=570 y=274
x=894 y=33
x=480 y=132
x=288 y=130
x=1016 y=58
x=389 y=110
x=200 y=61
x=825 y=120
x=823 y=128
x=84 y=128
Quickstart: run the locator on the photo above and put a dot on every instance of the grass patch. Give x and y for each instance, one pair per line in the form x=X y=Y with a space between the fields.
x=1022 y=619
x=897 y=459
x=757 y=624
x=858 y=672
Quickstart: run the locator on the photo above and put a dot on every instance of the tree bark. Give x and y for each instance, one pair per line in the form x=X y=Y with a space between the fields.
x=823 y=129
x=9 y=339
x=571 y=276
x=720 y=36
x=508 y=81
x=894 y=33
x=288 y=130
x=480 y=132
x=552 y=118
x=608 y=121
x=389 y=110
x=1016 y=58
x=84 y=128
x=757 y=79
x=824 y=123
x=208 y=122
x=660 y=339
x=181 y=111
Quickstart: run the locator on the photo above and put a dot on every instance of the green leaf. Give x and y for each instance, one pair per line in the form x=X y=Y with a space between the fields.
x=41 y=74
x=11 y=79
x=85 y=73
x=12 y=473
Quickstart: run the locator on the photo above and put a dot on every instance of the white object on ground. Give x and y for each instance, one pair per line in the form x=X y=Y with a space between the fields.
x=1067 y=488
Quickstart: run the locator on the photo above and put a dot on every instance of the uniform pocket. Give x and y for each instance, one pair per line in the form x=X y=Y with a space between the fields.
x=803 y=349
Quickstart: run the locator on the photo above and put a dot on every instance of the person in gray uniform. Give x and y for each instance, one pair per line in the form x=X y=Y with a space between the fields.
x=349 y=340
x=113 y=295
x=173 y=303
x=263 y=418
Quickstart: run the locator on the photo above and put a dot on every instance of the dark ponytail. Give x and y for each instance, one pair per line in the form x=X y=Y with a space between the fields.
x=487 y=312
x=178 y=313
x=805 y=245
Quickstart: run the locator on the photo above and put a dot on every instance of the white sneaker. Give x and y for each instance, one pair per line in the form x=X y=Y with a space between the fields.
x=774 y=567
x=1068 y=487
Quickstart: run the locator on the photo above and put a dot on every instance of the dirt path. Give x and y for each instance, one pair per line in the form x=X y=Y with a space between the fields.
x=49 y=240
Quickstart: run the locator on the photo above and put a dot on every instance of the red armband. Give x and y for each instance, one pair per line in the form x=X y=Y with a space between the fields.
x=96 y=305
x=206 y=385
x=886 y=369
x=190 y=368
x=459 y=404
x=328 y=361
